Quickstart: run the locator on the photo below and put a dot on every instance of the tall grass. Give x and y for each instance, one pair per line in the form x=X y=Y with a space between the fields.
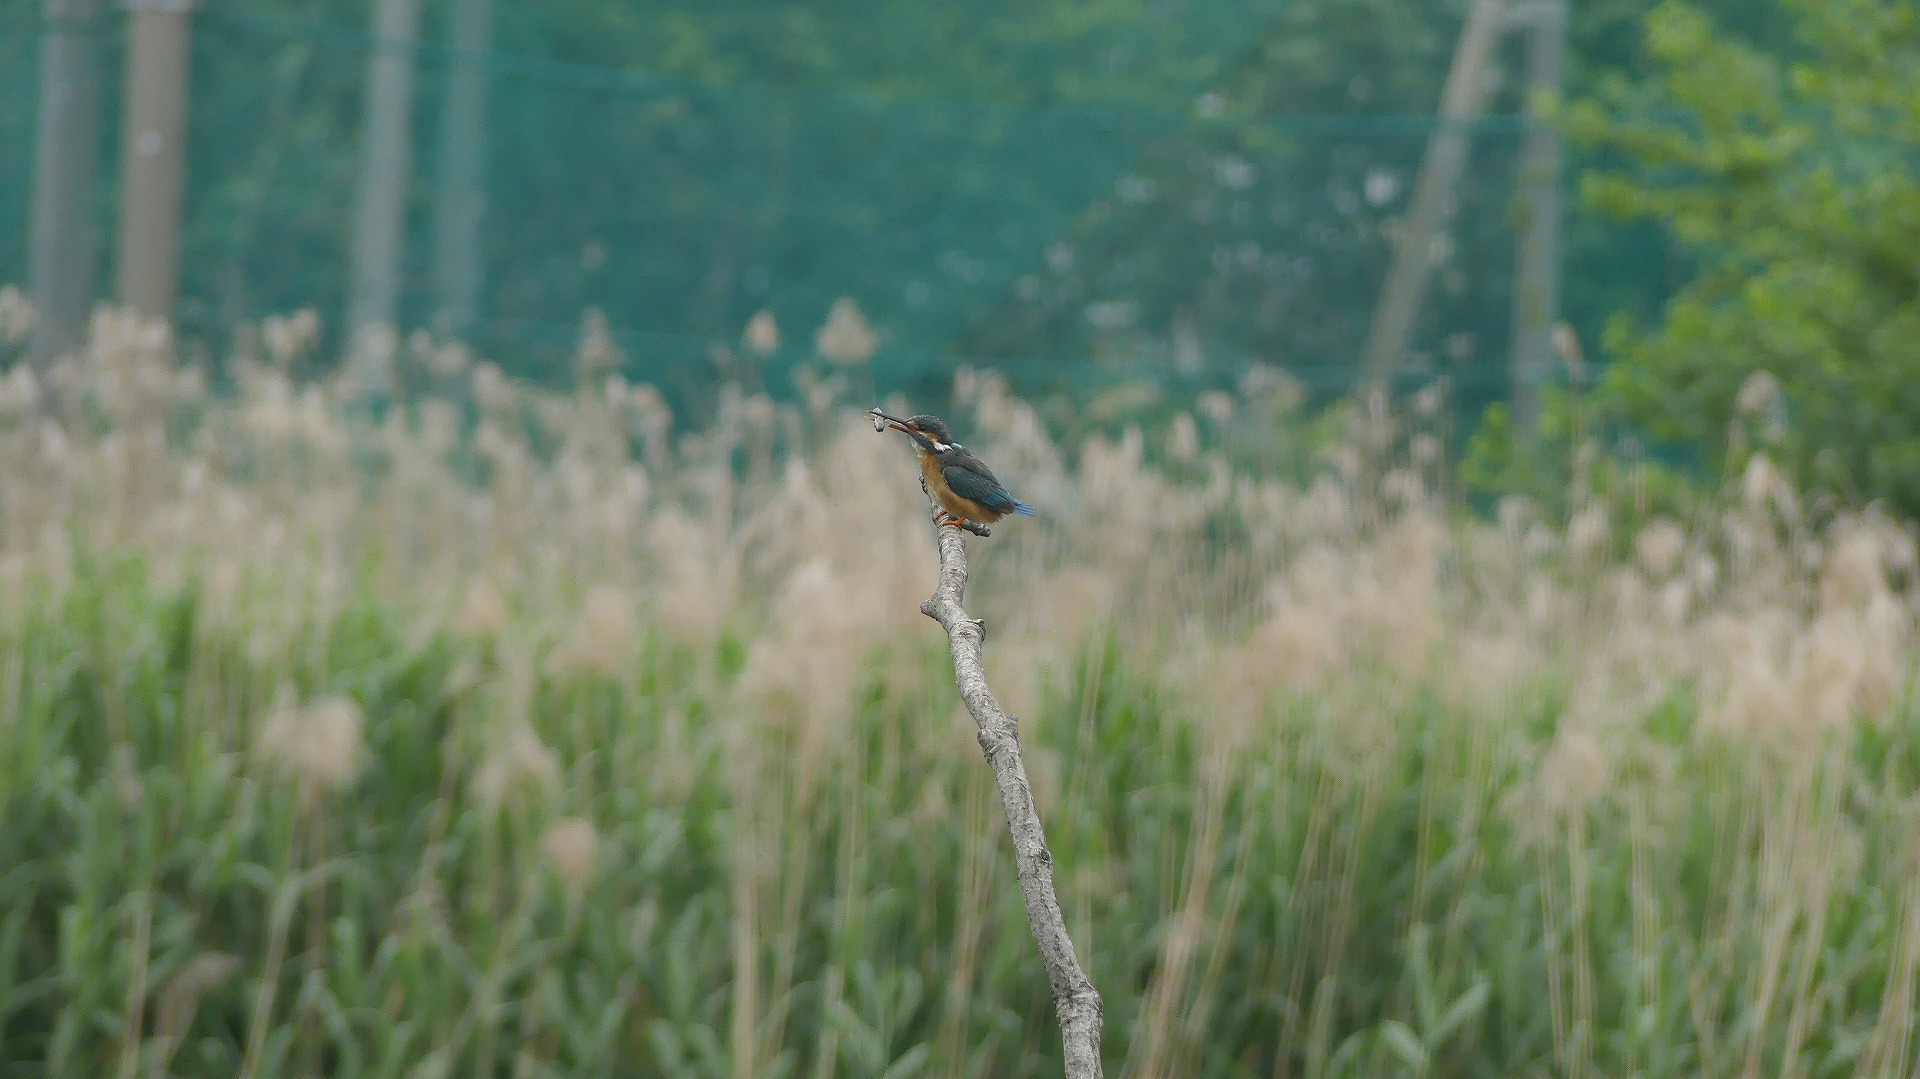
x=512 y=733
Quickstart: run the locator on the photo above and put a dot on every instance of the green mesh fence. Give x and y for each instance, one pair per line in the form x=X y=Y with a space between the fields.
x=1071 y=233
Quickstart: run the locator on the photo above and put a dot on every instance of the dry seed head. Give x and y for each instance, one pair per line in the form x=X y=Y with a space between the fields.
x=1672 y=601
x=420 y=347
x=1397 y=621
x=807 y=662
x=305 y=327
x=1574 y=772
x=268 y=411
x=651 y=417
x=1515 y=513
x=375 y=348
x=1761 y=483
x=1566 y=344
x=1424 y=449
x=1587 y=530
x=1294 y=649
x=602 y=637
x=1829 y=670
x=450 y=360
x=597 y=353
x=1877 y=684
x=1486 y=671
x=19 y=391
x=482 y=612
x=1543 y=602
x=762 y=336
x=572 y=847
x=1853 y=569
x=320 y=743
x=758 y=414
x=1887 y=621
x=1217 y=406
x=1275 y=388
x=1077 y=600
x=439 y=427
x=1659 y=547
x=1402 y=487
x=1853 y=662
x=967 y=385
x=1183 y=439
x=16 y=315
x=517 y=763
x=1411 y=546
x=1757 y=703
x=1702 y=573
x=846 y=339
x=491 y=389
x=695 y=576
x=1757 y=394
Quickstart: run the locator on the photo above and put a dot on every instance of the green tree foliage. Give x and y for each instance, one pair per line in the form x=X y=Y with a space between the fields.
x=1789 y=175
x=1169 y=185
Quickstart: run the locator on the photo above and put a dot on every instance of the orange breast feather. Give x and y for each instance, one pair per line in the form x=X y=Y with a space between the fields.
x=949 y=501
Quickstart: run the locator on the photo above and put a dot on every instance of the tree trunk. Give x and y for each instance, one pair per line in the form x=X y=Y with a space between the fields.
x=457 y=265
x=66 y=172
x=1433 y=197
x=1536 y=283
x=380 y=216
x=153 y=179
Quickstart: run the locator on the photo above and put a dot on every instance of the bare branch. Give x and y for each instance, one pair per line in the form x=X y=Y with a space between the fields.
x=1075 y=1002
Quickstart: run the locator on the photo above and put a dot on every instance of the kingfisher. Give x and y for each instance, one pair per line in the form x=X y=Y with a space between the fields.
x=961 y=483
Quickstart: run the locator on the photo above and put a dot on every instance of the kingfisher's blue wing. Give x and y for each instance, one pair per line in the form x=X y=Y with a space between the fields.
x=978 y=484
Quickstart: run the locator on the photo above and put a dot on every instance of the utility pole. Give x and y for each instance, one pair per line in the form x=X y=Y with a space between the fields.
x=463 y=152
x=66 y=171
x=1536 y=277
x=380 y=216
x=1433 y=197
x=152 y=180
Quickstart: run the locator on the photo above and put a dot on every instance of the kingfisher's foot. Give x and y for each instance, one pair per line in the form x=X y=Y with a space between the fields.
x=947 y=520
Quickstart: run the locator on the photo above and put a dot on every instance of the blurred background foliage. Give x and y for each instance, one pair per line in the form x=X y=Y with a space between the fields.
x=1075 y=192
x=1118 y=204
x=1786 y=173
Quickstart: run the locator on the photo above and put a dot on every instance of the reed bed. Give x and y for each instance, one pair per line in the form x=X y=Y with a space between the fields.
x=514 y=731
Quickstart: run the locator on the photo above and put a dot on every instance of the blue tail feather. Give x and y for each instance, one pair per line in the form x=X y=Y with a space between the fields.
x=1022 y=508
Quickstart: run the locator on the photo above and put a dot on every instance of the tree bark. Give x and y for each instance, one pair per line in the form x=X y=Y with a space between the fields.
x=1433 y=197
x=1075 y=1001
x=66 y=178
x=463 y=155
x=1536 y=285
x=152 y=181
x=379 y=225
